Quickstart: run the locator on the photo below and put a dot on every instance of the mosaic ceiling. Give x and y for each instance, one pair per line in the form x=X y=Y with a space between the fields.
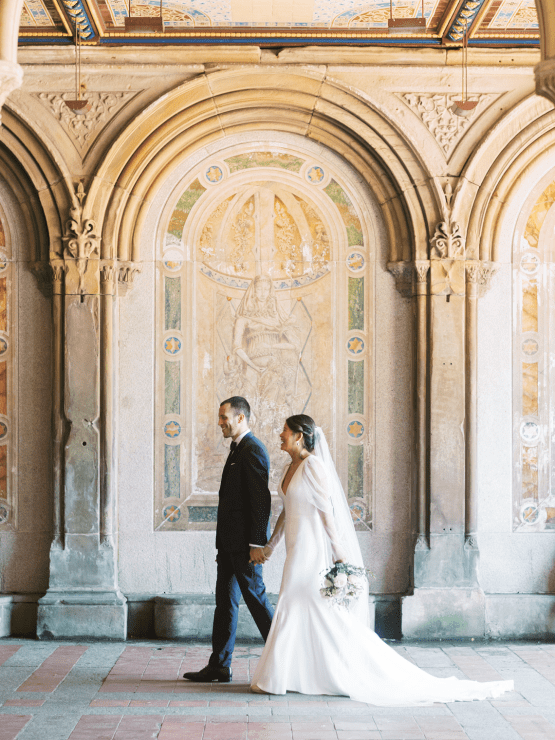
x=494 y=23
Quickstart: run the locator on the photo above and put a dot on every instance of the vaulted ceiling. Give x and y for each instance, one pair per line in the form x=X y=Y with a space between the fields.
x=491 y=23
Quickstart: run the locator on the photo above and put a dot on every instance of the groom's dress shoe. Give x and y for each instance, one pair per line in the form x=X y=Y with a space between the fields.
x=208 y=674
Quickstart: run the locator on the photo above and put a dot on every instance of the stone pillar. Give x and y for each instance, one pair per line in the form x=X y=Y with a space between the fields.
x=11 y=74
x=83 y=599
x=447 y=599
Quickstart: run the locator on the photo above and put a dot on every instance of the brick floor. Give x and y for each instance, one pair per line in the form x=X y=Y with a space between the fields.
x=135 y=691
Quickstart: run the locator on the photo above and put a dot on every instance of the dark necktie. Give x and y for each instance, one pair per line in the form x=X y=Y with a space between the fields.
x=232 y=448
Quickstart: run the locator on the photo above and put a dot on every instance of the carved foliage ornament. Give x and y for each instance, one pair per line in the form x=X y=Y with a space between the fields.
x=434 y=110
x=448 y=242
x=81 y=128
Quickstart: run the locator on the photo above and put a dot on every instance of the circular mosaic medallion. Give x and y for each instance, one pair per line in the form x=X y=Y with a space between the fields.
x=315 y=175
x=172 y=345
x=530 y=347
x=529 y=263
x=172 y=429
x=355 y=345
x=3 y=265
x=214 y=174
x=3 y=346
x=172 y=513
x=172 y=266
x=3 y=430
x=530 y=514
x=4 y=513
x=533 y=513
x=355 y=261
x=358 y=510
x=530 y=432
x=355 y=429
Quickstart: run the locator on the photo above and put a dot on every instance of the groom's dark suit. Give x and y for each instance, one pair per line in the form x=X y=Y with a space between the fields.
x=243 y=520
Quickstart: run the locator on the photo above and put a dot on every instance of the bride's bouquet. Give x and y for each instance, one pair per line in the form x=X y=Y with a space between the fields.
x=343 y=583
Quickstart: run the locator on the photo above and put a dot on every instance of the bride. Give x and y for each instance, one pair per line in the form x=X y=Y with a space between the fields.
x=314 y=647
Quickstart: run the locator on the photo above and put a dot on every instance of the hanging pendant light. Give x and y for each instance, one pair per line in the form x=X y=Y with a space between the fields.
x=79 y=105
x=404 y=26
x=144 y=24
x=464 y=106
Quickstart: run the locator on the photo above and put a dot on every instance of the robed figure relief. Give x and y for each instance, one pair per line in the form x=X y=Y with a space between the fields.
x=265 y=355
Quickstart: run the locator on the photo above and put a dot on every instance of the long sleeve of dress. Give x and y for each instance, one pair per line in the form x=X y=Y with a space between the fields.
x=317 y=487
x=277 y=535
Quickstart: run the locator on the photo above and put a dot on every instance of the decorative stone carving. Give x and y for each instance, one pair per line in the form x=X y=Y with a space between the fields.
x=481 y=274
x=421 y=268
x=80 y=244
x=126 y=276
x=421 y=543
x=434 y=110
x=81 y=128
x=448 y=242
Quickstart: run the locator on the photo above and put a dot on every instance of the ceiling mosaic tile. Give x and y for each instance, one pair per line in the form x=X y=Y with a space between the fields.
x=35 y=13
x=515 y=14
x=376 y=15
x=174 y=12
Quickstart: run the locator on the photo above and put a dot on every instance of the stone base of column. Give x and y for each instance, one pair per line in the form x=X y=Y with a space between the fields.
x=82 y=615
x=6 y=604
x=444 y=613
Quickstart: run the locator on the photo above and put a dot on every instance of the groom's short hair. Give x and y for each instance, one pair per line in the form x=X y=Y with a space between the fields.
x=239 y=405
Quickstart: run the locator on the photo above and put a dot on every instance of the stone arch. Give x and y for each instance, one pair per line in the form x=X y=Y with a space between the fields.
x=298 y=101
x=489 y=181
x=41 y=181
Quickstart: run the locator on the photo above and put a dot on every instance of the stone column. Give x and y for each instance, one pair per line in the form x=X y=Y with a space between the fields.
x=447 y=599
x=83 y=599
x=11 y=74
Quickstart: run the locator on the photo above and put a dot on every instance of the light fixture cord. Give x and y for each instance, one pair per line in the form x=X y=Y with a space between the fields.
x=465 y=61
x=78 y=61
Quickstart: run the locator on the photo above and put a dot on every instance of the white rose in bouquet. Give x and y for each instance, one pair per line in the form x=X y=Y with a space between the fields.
x=340 y=580
x=354 y=580
x=327 y=583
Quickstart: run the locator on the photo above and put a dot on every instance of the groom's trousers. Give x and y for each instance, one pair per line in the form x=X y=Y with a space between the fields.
x=236 y=576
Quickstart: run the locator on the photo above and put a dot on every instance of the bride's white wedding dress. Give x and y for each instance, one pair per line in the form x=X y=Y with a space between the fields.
x=317 y=648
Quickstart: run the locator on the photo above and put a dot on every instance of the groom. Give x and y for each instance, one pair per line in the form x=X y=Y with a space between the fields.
x=242 y=530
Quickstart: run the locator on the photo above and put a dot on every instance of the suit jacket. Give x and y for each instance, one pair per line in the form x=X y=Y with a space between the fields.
x=245 y=505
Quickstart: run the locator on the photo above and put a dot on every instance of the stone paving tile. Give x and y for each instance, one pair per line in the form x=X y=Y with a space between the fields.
x=134 y=691
x=54 y=669
x=12 y=725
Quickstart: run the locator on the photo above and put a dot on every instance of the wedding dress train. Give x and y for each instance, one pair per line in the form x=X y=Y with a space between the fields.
x=318 y=648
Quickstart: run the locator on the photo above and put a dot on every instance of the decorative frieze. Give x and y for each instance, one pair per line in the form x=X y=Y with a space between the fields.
x=448 y=275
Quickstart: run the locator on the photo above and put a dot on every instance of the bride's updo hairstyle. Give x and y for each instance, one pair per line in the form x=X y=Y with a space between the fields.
x=306 y=426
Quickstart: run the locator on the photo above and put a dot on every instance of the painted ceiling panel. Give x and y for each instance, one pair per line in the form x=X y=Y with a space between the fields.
x=345 y=19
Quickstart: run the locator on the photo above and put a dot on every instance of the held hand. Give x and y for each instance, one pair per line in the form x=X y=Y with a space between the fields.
x=257 y=555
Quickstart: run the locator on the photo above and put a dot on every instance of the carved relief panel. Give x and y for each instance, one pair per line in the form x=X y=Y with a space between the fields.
x=265 y=291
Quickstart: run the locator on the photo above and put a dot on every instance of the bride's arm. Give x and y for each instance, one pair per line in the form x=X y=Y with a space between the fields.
x=276 y=537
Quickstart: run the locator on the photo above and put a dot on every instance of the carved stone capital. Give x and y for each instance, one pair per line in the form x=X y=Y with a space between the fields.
x=545 y=79
x=43 y=273
x=108 y=272
x=126 y=276
x=421 y=269
x=402 y=272
x=487 y=271
x=448 y=242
